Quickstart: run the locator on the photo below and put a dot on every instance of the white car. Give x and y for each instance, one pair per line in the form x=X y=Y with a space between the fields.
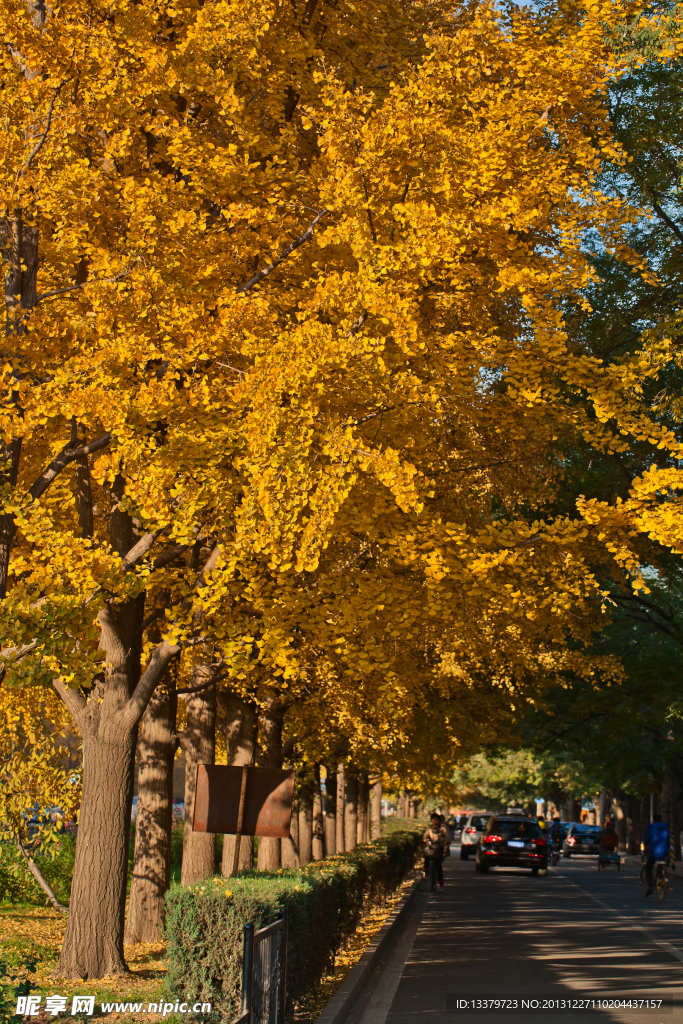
x=475 y=826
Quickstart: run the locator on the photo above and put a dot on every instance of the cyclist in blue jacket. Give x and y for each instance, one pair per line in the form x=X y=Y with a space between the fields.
x=656 y=843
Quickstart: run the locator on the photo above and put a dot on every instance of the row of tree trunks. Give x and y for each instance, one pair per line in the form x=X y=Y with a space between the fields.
x=349 y=814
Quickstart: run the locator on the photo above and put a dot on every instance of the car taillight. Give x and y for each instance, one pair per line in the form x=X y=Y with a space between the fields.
x=540 y=842
x=493 y=839
x=470 y=830
x=571 y=841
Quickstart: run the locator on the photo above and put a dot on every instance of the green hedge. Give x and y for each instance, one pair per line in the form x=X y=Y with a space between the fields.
x=325 y=901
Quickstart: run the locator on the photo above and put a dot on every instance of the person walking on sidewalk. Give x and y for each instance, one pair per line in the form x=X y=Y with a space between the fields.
x=436 y=840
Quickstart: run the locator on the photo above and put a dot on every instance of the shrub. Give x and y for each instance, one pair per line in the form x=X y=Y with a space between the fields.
x=325 y=900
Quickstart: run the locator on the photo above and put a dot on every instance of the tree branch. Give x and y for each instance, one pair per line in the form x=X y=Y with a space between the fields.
x=41 y=141
x=664 y=216
x=67 y=455
x=135 y=706
x=308 y=234
x=139 y=550
x=290 y=745
x=82 y=284
x=169 y=556
x=203 y=686
x=44 y=885
x=73 y=699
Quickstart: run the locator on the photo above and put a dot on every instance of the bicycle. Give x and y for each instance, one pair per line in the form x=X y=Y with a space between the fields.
x=661 y=879
x=433 y=872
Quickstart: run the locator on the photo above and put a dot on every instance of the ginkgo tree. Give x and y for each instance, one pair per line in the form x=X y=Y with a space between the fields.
x=259 y=295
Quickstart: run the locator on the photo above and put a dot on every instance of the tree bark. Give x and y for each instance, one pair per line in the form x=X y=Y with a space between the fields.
x=619 y=802
x=305 y=826
x=634 y=831
x=363 y=797
x=573 y=810
x=330 y=811
x=240 y=736
x=340 y=810
x=198 y=741
x=290 y=847
x=351 y=810
x=376 y=811
x=93 y=943
x=667 y=798
x=318 y=839
x=270 y=739
x=108 y=722
x=157 y=744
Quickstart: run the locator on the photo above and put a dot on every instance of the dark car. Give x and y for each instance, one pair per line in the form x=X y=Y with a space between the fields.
x=512 y=841
x=582 y=839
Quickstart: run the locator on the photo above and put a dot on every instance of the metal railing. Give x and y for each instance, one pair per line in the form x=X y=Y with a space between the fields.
x=264 y=973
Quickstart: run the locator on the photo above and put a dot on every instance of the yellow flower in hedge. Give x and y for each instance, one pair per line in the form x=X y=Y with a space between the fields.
x=228 y=893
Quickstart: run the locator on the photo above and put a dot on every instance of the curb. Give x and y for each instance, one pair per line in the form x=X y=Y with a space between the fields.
x=343 y=999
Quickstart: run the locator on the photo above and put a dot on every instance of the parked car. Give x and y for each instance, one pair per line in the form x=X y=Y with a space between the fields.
x=582 y=839
x=474 y=828
x=512 y=842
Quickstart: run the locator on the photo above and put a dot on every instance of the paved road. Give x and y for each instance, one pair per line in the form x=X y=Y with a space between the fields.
x=576 y=933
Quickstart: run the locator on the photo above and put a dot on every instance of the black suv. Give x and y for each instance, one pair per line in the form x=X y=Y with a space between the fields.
x=512 y=842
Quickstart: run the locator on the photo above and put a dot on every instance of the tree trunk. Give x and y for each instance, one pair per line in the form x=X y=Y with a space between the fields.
x=676 y=817
x=157 y=743
x=619 y=801
x=363 y=796
x=93 y=943
x=270 y=722
x=340 y=810
x=330 y=812
x=376 y=810
x=240 y=735
x=351 y=811
x=573 y=810
x=305 y=826
x=318 y=840
x=634 y=831
x=290 y=847
x=198 y=741
x=667 y=799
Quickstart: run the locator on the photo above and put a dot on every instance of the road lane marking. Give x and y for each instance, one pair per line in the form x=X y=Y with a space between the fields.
x=676 y=953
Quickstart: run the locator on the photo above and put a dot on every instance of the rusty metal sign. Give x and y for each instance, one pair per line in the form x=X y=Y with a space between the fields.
x=260 y=797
